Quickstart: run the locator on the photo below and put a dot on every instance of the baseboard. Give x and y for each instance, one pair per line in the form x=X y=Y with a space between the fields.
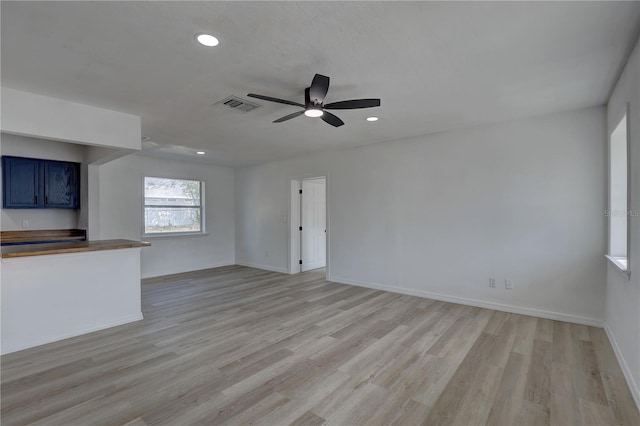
x=265 y=267
x=633 y=385
x=121 y=321
x=474 y=302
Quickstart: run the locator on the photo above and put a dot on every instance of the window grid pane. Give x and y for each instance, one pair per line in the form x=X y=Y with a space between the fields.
x=178 y=192
x=172 y=206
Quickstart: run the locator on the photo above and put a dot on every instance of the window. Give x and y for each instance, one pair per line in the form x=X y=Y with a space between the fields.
x=173 y=206
x=618 y=212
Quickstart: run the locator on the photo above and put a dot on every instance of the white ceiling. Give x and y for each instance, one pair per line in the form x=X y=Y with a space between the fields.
x=436 y=66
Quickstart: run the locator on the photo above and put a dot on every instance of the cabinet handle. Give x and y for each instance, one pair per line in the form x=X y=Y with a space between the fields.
x=36 y=199
x=46 y=199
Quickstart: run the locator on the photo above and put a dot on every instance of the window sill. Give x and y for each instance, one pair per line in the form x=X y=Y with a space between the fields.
x=620 y=263
x=175 y=235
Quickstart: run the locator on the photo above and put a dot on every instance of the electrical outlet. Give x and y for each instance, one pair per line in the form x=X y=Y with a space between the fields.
x=25 y=223
x=492 y=282
x=508 y=284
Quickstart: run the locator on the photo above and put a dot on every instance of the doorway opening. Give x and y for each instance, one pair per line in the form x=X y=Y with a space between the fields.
x=308 y=242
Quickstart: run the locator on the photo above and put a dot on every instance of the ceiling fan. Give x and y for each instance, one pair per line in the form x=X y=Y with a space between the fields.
x=314 y=102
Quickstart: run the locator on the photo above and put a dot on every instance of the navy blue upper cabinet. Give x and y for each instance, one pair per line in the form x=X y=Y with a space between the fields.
x=20 y=183
x=60 y=185
x=29 y=183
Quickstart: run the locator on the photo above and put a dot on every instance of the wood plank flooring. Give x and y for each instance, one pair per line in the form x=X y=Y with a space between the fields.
x=236 y=345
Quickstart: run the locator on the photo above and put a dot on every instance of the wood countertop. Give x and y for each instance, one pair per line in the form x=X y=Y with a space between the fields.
x=42 y=236
x=73 y=247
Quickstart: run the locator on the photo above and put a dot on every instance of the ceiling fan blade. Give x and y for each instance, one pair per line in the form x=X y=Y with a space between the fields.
x=319 y=87
x=331 y=119
x=270 y=99
x=289 y=117
x=354 y=104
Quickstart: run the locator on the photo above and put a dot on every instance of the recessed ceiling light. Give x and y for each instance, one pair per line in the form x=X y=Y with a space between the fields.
x=200 y=152
x=207 y=40
x=313 y=112
x=372 y=118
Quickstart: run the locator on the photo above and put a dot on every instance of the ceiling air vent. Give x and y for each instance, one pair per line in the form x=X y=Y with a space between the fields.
x=237 y=104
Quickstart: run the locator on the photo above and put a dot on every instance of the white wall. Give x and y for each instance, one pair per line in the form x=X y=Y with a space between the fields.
x=121 y=216
x=623 y=292
x=440 y=214
x=21 y=146
x=29 y=114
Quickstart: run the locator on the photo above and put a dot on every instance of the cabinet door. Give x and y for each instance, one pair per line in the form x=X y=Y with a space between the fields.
x=61 y=185
x=20 y=183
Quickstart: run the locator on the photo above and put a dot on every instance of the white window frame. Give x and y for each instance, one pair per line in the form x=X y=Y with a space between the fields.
x=202 y=231
x=622 y=263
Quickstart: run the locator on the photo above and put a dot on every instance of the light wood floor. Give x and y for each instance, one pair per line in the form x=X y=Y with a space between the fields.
x=236 y=345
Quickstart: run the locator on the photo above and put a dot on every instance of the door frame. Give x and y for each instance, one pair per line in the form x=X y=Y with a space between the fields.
x=294 y=245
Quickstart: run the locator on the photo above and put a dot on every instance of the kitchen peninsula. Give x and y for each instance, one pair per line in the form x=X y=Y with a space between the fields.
x=55 y=291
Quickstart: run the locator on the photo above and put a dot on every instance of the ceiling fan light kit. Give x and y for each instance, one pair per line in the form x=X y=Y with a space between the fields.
x=314 y=103
x=313 y=112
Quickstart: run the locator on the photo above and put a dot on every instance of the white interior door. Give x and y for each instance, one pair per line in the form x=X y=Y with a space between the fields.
x=313 y=219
